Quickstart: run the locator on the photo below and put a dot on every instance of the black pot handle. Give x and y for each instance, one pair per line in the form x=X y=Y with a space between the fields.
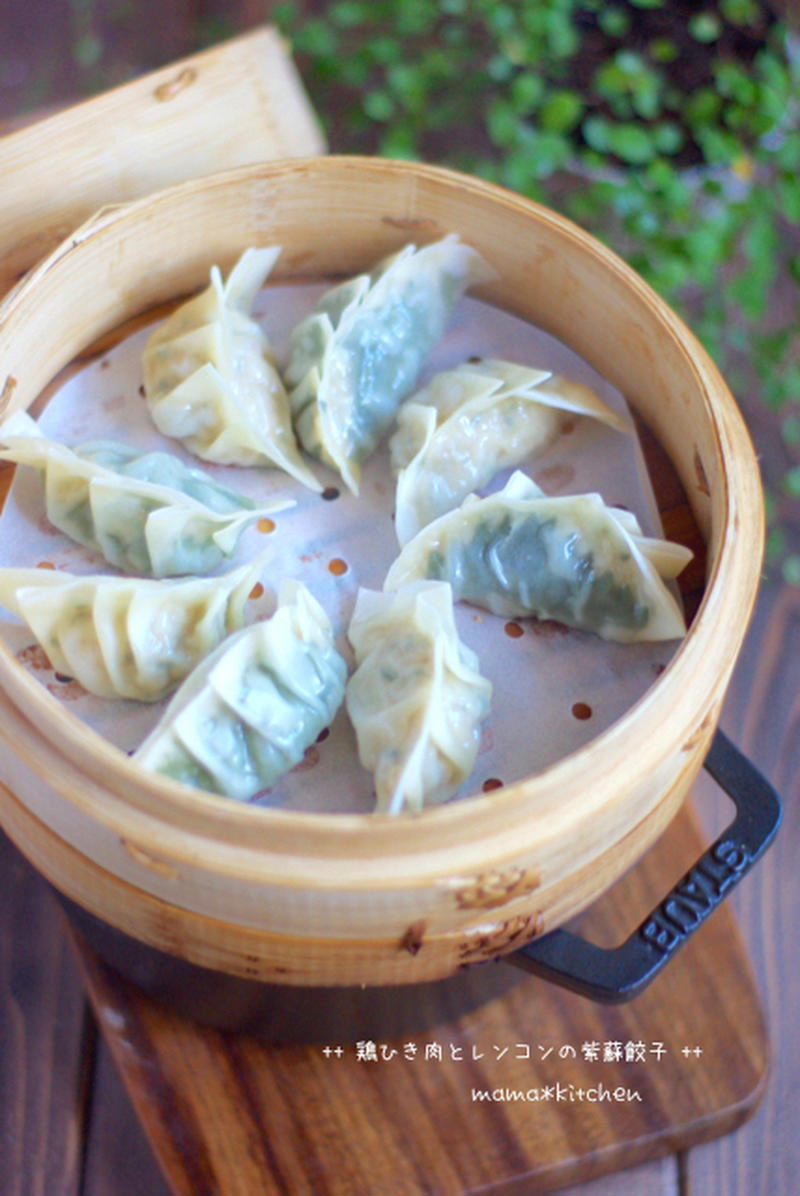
x=613 y=975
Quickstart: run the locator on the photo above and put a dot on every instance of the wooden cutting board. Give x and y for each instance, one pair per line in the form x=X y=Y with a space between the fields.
x=570 y=1090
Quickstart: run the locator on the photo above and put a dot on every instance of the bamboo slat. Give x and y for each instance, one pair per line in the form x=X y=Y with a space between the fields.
x=239 y=102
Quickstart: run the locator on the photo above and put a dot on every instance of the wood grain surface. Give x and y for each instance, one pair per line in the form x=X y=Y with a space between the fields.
x=233 y=1113
x=762 y=714
x=46 y=1042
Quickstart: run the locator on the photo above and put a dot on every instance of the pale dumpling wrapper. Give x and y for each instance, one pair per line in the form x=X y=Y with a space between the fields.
x=361 y=350
x=145 y=513
x=247 y=714
x=570 y=558
x=210 y=376
x=469 y=423
x=417 y=698
x=124 y=637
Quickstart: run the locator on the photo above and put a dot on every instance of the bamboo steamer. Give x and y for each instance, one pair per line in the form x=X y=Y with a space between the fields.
x=338 y=899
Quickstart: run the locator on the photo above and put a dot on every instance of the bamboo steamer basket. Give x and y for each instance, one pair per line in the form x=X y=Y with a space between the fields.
x=340 y=899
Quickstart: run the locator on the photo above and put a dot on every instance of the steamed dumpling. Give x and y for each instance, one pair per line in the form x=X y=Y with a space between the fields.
x=147 y=514
x=471 y=422
x=248 y=713
x=125 y=637
x=417 y=698
x=569 y=558
x=360 y=352
x=210 y=377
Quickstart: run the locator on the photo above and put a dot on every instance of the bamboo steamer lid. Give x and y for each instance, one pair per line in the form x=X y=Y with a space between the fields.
x=362 y=899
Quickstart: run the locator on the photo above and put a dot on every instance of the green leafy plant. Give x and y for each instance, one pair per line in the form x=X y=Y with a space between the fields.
x=669 y=130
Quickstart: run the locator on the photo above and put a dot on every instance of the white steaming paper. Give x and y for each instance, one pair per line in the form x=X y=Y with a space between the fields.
x=543 y=679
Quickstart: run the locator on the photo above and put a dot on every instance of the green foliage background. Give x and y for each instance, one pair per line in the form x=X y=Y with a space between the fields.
x=670 y=131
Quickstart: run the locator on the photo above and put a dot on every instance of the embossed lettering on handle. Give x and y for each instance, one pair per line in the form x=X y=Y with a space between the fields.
x=619 y=973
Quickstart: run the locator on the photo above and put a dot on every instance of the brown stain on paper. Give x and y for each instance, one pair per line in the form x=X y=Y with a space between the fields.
x=34 y=657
